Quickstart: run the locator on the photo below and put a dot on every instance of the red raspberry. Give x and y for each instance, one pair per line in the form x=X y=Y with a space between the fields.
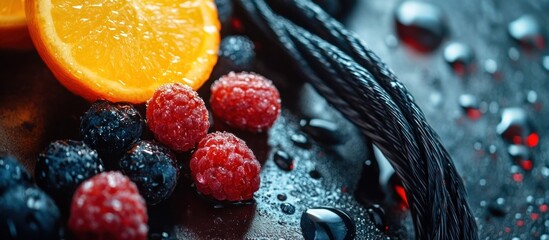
x=246 y=101
x=108 y=206
x=177 y=116
x=225 y=168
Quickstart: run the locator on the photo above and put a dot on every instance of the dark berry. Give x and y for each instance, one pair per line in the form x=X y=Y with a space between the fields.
x=28 y=213
x=12 y=173
x=224 y=168
x=108 y=206
x=152 y=168
x=237 y=53
x=224 y=11
x=245 y=101
x=111 y=128
x=63 y=165
x=177 y=116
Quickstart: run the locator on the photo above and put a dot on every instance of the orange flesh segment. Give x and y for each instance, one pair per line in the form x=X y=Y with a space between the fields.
x=124 y=50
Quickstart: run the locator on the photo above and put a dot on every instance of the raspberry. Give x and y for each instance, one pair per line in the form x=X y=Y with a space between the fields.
x=152 y=168
x=108 y=206
x=63 y=165
x=12 y=173
x=26 y=212
x=237 y=53
x=246 y=101
x=111 y=128
x=225 y=168
x=177 y=116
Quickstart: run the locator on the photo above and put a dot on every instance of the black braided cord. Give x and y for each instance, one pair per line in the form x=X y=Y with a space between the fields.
x=354 y=80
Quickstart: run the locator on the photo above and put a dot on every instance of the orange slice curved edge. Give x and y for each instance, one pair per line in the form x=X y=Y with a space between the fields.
x=13 y=26
x=124 y=50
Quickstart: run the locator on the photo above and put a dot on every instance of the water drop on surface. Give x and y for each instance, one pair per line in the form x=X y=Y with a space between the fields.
x=545 y=63
x=287 y=208
x=513 y=54
x=281 y=197
x=521 y=156
x=315 y=174
x=420 y=25
x=460 y=57
x=391 y=41
x=497 y=208
x=323 y=131
x=301 y=140
x=527 y=32
x=515 y=127
x=377 y=216
x=283 y=160
x=327 y=223
x=470 y=106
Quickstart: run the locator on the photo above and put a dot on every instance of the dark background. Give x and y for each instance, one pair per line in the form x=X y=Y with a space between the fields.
x=35 y=109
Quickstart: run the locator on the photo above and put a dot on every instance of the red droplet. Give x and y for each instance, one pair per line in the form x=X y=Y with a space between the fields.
x=520 y=223
x=507 y=229
x=344 y=189
x=526 y=164
x=237 y=25
x=532 y=140
x=401 y=193
x=517 y=177
x=543 y=208
x=474 y=114
x=517 y=140
x=534 y=216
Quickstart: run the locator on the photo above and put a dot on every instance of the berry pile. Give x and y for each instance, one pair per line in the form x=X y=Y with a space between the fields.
x=140 y=172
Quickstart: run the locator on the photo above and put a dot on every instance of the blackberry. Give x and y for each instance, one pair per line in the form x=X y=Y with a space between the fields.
x=63 y=165
x=237 y=53
x=12 y=173
x=28 y=213
x=111 y=128
x=152 y=168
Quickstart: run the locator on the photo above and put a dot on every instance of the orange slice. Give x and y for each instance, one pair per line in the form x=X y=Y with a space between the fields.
x=13 y=26
x=123 y=50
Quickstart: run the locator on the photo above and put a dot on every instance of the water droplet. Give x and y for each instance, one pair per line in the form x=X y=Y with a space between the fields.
x=391 y=41
x=491 y=67
x=283 y=160
x=377 y=216
x=527 y=32
x=513 y=54
x=460 y=57
x=497 y=207
x=281 y=197
x=521 y=156
x=545 y=63
x=287 y=208
x=315 y=174
x=323 y=131
x=301 y=140
x=470 y=106
x=327 y=223
x=420 y=25
x=516 y=128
